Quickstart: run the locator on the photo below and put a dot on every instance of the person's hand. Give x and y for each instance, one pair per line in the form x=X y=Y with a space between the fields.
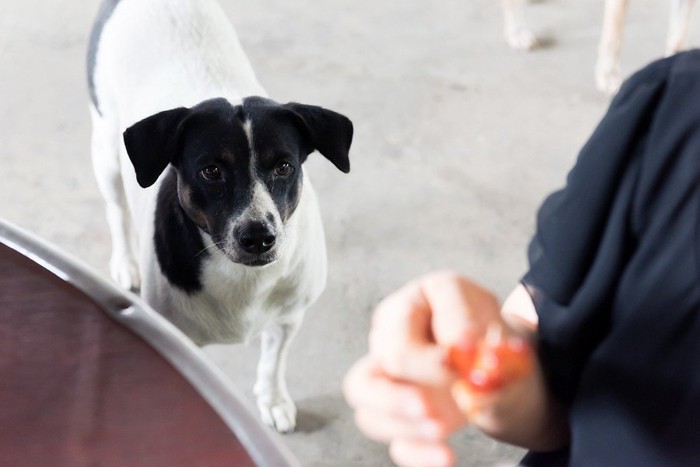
x=401 y=390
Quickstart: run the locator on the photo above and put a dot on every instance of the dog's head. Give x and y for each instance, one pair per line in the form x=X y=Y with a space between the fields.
x=238 y=168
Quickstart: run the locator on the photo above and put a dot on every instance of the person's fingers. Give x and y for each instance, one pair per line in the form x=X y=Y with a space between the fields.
x=404 y=315
x=384 y=408
x=366 y=386
x=419 y=453
x=443 y=419
x=401 y=338
x=459 y=306
x=385 y=427
x=440 y=308
x=384 y=405
x=420 y=364
x=441 y=405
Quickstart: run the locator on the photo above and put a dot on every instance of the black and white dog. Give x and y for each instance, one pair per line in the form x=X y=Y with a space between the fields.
x=208 y=186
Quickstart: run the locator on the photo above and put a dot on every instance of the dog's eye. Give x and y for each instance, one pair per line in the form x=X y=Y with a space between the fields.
x=210 y=173
x=283 y=169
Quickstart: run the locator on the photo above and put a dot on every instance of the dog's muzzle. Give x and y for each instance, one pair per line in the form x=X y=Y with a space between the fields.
x=256 y=240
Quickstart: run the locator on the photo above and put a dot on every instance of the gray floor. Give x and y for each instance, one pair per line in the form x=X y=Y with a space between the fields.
x=457 y=140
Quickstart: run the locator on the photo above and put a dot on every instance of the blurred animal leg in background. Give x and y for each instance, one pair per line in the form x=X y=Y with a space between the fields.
x=517 y=34
x=678 y=26
x=608 y=76
x=607 y=71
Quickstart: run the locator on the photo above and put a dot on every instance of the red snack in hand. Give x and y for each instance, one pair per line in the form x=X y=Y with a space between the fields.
x=491 y=363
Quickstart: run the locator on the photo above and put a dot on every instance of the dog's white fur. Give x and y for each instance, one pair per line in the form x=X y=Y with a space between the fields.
x=608 y=76
x=607 y=70
x=156 y=55
x=515 y=29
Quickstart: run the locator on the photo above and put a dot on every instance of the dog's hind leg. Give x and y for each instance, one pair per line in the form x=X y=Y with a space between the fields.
x=517 y=35
x=105 y=161
x=274 y=402
x=607 y=69
x=678 y=26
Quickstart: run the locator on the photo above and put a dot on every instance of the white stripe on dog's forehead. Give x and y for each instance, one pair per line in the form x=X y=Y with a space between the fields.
x=261 y=202
x=248 y=130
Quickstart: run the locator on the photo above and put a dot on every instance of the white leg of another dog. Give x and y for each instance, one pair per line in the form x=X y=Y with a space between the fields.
x=274 y=402
x=105 y=161
x=678 y=26
x=608 y=76
x=517 y=35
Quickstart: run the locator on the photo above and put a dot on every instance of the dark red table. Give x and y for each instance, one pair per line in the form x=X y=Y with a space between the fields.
x=89 y=376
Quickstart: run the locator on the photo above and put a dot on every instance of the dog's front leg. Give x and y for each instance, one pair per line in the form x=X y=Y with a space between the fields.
x=607 y=70
x=276 y=406
x=678 y=26
x=105 y=160
x=517 y=35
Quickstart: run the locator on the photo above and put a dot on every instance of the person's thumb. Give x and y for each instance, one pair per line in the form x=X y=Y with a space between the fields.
x=459 y=307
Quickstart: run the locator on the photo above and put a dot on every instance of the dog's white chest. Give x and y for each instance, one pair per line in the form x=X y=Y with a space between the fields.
x=236 y=304
x=242 y=308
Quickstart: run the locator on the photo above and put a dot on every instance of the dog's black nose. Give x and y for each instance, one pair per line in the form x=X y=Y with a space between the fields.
x=256 y=238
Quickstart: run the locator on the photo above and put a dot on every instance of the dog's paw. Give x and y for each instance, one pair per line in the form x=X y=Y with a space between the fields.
x=520 y=39
x=125 y=272
x=279 y=413
x=608 y=77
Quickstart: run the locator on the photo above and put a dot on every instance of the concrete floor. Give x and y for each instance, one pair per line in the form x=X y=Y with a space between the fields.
x=457 y=141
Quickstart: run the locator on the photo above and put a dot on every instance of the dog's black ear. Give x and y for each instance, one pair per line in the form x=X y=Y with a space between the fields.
x=152 y=143
x=329 y=132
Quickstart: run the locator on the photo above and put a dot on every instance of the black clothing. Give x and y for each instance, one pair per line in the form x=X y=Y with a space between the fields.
x=615 y=278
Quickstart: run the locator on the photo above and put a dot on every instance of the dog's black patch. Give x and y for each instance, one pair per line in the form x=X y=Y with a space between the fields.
x=291 y=132
x=277 y=140
x=213 y=136
x=178 y=243
x=326 y=131
x=104 y=13
x=216 y=174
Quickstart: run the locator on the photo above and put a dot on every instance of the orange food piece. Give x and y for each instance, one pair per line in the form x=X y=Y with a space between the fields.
x=491 y=363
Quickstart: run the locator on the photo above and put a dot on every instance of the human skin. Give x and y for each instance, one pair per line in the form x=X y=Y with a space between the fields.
x=401 y=390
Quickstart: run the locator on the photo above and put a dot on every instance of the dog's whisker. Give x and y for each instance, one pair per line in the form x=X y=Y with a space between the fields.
x=203 y=250
x=218 y=254
x=216 y=246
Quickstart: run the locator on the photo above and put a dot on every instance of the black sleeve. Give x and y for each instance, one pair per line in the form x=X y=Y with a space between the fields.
x=585 y=234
